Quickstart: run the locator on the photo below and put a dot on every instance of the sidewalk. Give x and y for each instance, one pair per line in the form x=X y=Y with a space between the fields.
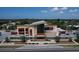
x=40 y=46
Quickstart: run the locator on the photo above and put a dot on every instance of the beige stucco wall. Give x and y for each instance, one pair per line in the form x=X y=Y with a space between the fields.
x=34 y=30
x=52 y=33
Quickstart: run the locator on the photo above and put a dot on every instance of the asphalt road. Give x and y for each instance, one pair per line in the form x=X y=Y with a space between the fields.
x=43 y=48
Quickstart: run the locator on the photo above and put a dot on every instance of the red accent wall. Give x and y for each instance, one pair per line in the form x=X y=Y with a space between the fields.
x=30 y=32
x=13 y=33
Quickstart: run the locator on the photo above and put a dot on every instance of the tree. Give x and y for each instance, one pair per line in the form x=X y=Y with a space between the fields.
x=12 y=27
x=77 y=38
x=70 y=39
x=57 y=39
x=7 y=39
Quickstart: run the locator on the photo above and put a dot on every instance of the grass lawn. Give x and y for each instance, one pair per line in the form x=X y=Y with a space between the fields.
x=70 y=46
x=9 y=46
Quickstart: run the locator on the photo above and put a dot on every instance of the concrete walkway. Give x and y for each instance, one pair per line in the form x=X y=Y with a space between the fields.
x=50 y=46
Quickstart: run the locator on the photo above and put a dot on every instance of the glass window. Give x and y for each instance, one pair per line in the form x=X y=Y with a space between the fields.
x=40 y=28
x=26 y=30
x=21 y=29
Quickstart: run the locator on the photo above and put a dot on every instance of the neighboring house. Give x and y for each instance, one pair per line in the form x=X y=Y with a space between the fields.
x=74 y=27
x=4 y=34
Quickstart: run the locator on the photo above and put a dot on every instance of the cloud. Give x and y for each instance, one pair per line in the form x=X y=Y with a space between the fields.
x=58 y=9
x=73 y=10
x=61 y=12
x=64 y=8
x=54 y=9
x=44 y=11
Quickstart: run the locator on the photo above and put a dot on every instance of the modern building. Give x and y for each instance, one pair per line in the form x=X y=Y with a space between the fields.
x=38 y=29
x=38 y=32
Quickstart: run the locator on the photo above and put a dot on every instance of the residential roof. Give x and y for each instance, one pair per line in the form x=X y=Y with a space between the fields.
x=74 y=25
x=59 y=29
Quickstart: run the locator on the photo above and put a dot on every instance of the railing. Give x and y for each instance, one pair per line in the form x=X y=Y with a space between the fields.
x=40 y=33
x=42 y=37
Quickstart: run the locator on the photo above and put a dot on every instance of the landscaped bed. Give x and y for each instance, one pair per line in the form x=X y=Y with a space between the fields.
x=64 y=42
x=70 y=46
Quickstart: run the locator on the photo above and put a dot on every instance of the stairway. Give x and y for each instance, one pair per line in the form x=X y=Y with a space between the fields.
x=2 y=41
x=74 y=41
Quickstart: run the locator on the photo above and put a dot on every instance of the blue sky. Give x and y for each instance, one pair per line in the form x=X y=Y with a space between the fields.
x=39 y=12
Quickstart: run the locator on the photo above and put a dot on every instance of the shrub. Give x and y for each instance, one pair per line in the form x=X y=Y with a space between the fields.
x=70 y=40
x=57 y=39
x=7 y=39
x=77 y=38
x=23 y=38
